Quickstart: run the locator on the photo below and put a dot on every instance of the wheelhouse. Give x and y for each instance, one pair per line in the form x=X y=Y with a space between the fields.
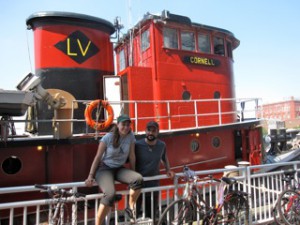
x=168 y=57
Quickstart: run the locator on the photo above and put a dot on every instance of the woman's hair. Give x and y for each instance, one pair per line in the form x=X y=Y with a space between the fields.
x=116 y=137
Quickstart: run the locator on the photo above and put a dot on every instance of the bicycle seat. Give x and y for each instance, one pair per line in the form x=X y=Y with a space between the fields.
x=229 y=180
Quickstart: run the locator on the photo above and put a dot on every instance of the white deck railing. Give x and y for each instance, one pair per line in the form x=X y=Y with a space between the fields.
x=173 y=115
x=263 y=188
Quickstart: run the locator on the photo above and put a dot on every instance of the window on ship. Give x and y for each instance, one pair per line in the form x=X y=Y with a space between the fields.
x=187 y=41
x=122 y=61
x=219 y=46
x=204 y=43
x=145 y=42
x=170 y=38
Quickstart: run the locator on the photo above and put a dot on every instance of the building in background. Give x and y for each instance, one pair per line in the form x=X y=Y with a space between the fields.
x=287 y=111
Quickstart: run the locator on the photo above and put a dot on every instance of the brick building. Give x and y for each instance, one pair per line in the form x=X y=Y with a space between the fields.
x=287 y=111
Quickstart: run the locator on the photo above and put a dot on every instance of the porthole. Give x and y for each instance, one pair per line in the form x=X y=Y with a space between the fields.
x=217 y=95
x=195 y=145
x=11 y=165
x=186 y=95
x=216 y=142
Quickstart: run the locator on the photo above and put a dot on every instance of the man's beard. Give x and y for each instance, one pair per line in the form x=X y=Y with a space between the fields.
x=151 y=138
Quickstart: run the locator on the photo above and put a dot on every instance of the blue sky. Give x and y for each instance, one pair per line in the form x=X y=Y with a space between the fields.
x=267 y=62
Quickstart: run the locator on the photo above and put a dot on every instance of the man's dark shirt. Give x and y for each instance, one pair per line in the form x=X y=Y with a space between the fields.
x=148 y=159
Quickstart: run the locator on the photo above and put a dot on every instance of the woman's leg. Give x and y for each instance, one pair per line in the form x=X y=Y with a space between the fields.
x=105 y=180
x=101 y=214
x=135 y=182
x=133 y=196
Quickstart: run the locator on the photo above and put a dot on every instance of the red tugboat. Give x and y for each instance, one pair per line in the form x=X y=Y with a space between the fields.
x=168 y=69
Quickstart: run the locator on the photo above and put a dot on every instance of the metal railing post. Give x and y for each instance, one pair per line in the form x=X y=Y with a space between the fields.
x=196 y=113
x=247 y=173
x=220 y=111
x=136 y=116
x=176 y=187
x=169 y=115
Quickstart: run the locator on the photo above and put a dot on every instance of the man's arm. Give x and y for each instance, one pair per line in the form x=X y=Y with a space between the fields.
x=166 y=163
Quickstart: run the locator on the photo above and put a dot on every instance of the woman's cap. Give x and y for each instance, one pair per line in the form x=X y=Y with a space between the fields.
x=123 y=118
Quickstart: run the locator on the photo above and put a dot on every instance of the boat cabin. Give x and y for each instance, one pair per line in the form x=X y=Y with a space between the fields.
x=168 y=57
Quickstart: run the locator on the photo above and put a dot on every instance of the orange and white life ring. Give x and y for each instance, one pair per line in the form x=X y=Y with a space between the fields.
x=89 y=110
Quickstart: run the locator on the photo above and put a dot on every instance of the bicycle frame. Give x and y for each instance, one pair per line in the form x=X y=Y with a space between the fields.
x=58 y=215
x=291 y=201
x=57 y=204
x=192 y=193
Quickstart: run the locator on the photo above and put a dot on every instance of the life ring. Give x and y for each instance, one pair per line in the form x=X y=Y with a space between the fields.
x=99 y=125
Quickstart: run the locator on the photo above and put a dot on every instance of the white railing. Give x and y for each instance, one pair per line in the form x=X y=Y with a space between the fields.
x=240 y=109
x=263 y=188
x=172 y=114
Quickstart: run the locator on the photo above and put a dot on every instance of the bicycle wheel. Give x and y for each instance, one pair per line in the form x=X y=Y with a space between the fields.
x=209 y=218
x=276 y=216
x=289 y=207
x=178 y=212
x=235 y=210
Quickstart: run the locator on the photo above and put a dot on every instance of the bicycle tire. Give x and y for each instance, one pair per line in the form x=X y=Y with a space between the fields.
x=289 y=207
x=276 y=216
x=239 y=206
x=178 y=212
x=235 y=210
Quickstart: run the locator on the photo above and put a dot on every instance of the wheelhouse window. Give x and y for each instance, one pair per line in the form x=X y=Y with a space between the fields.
x=122 y=61
x=204 y=43
x=219 y=46
x=188 y=41
x=170 y=38
x=229 y=48
x=145 y=40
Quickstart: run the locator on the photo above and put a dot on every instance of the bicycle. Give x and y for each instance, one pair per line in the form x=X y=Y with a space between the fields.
x=58 y=204
x=232 y=208
x=288 y=204
x=288 y=177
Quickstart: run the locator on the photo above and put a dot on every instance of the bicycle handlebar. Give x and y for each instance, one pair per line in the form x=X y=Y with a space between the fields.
x=191 y=175
x=54 y=190
x=39 y=186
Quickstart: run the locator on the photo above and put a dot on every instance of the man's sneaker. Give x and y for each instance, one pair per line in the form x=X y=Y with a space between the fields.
x=130 y=213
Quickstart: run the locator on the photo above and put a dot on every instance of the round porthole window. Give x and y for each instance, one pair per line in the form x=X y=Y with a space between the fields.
x=194 y=145
x=186 y=95
x=216 y=142
x=217 y=95
x=11 y=165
